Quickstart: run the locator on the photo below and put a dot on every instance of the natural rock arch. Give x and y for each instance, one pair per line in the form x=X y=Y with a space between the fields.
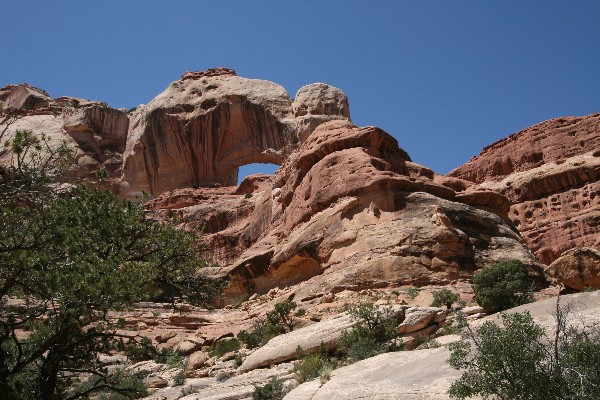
x=202 y=128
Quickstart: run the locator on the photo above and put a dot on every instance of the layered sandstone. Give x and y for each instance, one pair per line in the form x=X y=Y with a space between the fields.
x=551 y=174
x=95 y=132
x=348 y=209
x=202 y=128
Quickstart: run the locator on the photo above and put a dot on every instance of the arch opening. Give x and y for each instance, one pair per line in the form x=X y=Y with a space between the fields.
x=255 y=168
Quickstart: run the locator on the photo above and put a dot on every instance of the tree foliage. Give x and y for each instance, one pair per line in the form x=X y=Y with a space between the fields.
x=444 y=297
x=518 y=361
x=503 y=285
x=372 y=334
x=67 y=259
x=277 y=321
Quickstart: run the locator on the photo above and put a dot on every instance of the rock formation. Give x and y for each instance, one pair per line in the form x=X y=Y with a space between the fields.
x=96 y=132
x=576 y=268
x=551 y=174
x=207 y=124
x=347 y=209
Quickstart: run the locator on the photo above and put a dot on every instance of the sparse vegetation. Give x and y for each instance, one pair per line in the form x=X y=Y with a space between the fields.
x=503 y=285
x=223 y=346
x=239 y=358
x=273 y=390
x=518 y=361
x=311 y=366
x=444 y=297
x=223 y=376
x=277 y=321
x=412 y=293
x=373 y=333
x=179 y=378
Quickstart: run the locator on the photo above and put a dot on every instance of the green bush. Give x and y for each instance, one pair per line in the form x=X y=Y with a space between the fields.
x=140 y=351
x=172 y=358
x=270 y=391
x=224 y=346
x=311 y=366
x=277 y=321
x=503 y=285
x=444 y=297
x=179 y=379
x=412 y=292
x=519 y=362
x=372 y=334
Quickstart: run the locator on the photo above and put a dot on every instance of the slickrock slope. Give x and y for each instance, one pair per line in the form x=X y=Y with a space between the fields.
x=348 y=209
x=424 y=374
x=551 y=174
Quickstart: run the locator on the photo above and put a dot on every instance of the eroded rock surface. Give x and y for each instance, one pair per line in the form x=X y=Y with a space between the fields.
x=577 y=268
x=348 y=209
x=95 y=132
x=551 y=174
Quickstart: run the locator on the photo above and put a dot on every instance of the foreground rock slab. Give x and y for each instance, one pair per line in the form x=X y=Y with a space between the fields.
x=407 y=375
x=284 y=347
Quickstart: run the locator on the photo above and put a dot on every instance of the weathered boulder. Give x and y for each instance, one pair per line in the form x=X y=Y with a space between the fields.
x=316 y=104
x=197 y=360
x=551 y=174
x=417 y=318
x=285 y=347
x=576 y=268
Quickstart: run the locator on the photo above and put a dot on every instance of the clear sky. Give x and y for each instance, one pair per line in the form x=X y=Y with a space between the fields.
x=446 y=78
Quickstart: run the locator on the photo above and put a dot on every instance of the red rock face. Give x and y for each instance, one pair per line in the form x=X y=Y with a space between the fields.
x=348 y=209
x=551 y=173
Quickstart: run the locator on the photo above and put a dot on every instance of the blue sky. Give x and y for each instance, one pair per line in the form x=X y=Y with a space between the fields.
x=445 y=78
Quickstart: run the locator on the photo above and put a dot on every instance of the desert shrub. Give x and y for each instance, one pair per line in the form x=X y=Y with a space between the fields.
x=273 y=390
x=140 y=350
x=444 y=297
x=277 y=321
x=311 y=366
x=239 y=359
x=372 y=334
x=223 y=346
x=223 y=376
x=503 y=285
x=172 y=358
x=300 y=312
x=518 y=361
x=412 y=292
x=179 y=378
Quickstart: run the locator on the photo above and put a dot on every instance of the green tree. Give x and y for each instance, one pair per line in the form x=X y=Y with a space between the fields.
x=67 y=259
x=503 y=285
x=372 y=334
x=444 y=297
x=518 y=361
x=277 y=321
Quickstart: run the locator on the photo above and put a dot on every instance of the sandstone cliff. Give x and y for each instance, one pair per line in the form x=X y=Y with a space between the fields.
x=347 y=210
x=551 y=174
